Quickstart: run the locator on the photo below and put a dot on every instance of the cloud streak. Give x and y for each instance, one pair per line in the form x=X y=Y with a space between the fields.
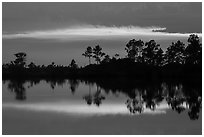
x=93 y=32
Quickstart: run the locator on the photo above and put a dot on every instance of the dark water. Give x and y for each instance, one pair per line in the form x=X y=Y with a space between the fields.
x=100 y=107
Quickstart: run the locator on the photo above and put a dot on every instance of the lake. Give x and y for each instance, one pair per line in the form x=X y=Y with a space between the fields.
x=71 y=106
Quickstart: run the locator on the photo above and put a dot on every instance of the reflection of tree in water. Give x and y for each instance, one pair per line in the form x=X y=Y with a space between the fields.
x=88 y=97
x=98 y=97
x=60 y=82
x=73 y=85
x=194 y=100
x=17 y=86
x=179 y=97
x=94 y=98
x=33 y=82
x=194 y=109
x=176 y=98
x=135 y=104
x=145 y=98
x=152 y=96
x=54 y=82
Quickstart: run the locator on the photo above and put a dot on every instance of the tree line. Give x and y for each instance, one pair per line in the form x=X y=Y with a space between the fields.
x=152 y=54
x=140 y=55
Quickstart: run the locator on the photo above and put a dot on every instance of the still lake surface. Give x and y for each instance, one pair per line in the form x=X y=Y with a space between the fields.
x=100 y=107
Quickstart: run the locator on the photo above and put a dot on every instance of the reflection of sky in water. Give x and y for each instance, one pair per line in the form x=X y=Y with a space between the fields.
x=51 y=102
x=42 y=97
x=80 y=108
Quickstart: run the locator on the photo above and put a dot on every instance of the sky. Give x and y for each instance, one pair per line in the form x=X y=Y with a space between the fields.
x=60 y=32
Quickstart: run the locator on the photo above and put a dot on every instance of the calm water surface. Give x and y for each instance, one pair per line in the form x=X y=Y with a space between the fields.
x=82 y=107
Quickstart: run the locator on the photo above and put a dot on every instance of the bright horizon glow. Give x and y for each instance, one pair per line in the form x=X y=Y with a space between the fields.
x=92 y=32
